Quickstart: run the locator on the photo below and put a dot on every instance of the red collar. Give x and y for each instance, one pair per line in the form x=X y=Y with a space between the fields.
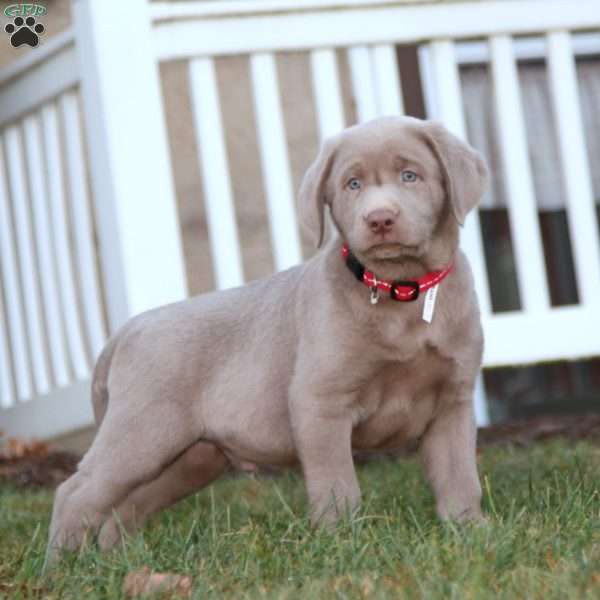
x=402 y=291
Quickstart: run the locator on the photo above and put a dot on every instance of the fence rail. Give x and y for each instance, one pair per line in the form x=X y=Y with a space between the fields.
x=246 y=33
x=88 y=223
x=37 y=78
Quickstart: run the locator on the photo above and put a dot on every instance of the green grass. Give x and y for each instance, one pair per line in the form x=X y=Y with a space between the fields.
x=246 y=538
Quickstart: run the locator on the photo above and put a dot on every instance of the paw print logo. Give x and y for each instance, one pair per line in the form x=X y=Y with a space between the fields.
x=24 y=31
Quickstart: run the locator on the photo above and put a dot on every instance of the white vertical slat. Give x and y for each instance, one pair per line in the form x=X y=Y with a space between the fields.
x=529 y=257
x=10 y=289
x=388 y=89
x=443 y=95
x=85 y=254
x=48 y=277
x=27 y=261
x=7 y=388
x=328 y=104
x=327 y=92
x=575 y=167
x=425 y=57
x=274 y=161
x=12 y=292
x=443 y=98
x=222 y=228
x=363 y=87
x=62 y=247
x=480 y=405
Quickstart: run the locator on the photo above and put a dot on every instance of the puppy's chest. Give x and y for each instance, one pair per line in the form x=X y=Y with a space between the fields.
x=397 y=405
x=400 y=336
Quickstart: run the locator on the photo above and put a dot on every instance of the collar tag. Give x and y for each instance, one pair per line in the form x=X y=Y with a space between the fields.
x=429 y=303
x=374 y=295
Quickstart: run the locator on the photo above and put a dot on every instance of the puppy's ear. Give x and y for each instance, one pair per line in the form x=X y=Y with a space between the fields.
x=313 y=190
x=463 y=168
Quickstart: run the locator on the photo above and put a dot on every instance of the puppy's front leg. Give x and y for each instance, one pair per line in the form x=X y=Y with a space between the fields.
x=322 y=429
x=448 y=453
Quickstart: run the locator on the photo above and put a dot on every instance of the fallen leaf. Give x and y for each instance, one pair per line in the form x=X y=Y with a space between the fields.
x=144 y=581
x=550 y=560
x=17 y=448
x=367 y=587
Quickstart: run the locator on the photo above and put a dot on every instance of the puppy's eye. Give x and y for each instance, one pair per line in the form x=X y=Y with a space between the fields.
x=409 y=176
x=354 y=184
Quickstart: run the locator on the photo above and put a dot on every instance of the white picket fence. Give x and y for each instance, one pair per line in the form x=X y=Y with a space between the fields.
x=89 y=233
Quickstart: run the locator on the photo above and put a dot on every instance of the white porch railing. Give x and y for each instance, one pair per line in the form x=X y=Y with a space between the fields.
x=88 y=224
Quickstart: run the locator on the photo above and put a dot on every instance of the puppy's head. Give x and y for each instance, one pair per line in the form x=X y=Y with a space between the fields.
x=395 y=186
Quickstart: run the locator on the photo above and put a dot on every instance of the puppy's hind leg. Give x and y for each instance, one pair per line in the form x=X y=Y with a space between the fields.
x=198 y=466
x=134 y=444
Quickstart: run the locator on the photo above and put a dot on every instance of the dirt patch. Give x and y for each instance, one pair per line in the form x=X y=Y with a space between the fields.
x=524 y=432
x=47 y=472
x=36 y=464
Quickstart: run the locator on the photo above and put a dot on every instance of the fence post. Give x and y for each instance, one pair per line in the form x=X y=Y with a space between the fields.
x=131 y=176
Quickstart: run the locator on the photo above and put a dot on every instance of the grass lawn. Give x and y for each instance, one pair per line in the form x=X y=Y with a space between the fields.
x=247 y=538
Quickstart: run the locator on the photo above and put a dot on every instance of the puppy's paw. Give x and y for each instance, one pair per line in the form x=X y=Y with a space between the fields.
x=67 y=540
x=470 y=515
x=459 y=513
x=111 y=533
x=472 y=518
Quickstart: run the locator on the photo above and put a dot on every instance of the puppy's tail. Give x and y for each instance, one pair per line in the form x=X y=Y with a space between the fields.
x=100 y=381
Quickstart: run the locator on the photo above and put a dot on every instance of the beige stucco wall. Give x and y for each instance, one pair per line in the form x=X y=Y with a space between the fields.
x=243 y=153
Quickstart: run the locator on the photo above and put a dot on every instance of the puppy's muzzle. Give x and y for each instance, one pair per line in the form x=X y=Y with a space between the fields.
x=380 y=221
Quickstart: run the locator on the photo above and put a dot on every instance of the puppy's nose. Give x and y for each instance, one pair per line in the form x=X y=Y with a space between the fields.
x=380 y=221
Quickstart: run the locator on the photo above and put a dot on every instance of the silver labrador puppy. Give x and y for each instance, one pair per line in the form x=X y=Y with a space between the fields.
x=350 y=351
